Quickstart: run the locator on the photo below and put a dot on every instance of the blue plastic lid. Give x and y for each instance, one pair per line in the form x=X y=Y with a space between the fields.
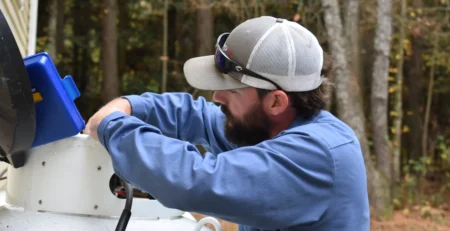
x=57 y=116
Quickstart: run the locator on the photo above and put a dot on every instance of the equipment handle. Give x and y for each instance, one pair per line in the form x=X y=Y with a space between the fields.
x=206 y=220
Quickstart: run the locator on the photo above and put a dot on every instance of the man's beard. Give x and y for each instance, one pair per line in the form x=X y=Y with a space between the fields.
x=252 y=129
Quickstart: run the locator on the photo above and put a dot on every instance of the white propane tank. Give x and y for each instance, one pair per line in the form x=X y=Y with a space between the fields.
x=64 y=185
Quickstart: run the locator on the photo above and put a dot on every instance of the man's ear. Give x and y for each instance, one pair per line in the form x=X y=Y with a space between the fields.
x=276 y=102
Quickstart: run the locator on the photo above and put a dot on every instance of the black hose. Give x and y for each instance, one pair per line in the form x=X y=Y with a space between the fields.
x=129 y=201
x=126 y=213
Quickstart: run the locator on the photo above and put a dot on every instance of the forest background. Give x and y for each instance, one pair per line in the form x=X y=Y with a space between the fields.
x=391 y=71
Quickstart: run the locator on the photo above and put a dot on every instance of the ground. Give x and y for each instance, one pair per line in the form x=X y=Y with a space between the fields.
x=413 y=219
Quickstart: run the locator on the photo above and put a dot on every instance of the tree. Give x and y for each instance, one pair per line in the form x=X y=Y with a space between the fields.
x=349 y=107
x=352 y=35
x=205 y=31
x=414 y=90
x=165 y=56
x=429 y=98
x=56 y=30
x=109 y=52
x=379 y=93
x=398 y=108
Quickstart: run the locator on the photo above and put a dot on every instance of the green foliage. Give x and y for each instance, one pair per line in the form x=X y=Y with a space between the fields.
x=426 y=181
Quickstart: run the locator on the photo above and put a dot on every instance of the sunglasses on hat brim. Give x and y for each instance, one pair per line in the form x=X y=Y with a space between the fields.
x=226 y=65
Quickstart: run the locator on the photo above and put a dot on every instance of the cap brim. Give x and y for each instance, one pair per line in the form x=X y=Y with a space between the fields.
x=202 y=74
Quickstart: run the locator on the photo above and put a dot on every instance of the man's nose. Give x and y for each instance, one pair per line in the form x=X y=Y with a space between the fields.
x=219 y=97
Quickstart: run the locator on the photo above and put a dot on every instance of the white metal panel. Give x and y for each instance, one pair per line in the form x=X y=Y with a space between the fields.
x=72 y=176
x=17 y=220
x=65 y=186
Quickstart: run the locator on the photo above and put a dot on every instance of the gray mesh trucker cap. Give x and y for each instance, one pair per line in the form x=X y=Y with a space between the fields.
x=278 y=49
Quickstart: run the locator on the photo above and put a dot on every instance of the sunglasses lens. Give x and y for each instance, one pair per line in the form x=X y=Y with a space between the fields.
x=222 y=40
x=221 y=62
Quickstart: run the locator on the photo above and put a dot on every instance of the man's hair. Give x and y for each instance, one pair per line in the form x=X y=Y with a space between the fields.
x=309 y=103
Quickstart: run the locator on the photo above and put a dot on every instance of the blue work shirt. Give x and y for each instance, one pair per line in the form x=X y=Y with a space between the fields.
x=311 y=176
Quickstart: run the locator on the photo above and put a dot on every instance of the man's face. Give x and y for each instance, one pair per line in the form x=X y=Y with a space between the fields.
x=246 y=122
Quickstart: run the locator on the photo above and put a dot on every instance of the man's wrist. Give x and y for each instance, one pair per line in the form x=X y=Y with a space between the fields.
x=136 y=105
x=124 y=105
x=104 y=123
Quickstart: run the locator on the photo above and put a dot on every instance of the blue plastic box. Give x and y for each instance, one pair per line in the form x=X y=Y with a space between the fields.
x=57 y=116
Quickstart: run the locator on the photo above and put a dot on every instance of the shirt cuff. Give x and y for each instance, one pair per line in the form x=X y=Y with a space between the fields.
x=104 y=123
x=137 y=105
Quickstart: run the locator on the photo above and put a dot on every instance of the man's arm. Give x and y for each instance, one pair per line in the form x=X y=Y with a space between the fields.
x=178 y=115
x=277 y=183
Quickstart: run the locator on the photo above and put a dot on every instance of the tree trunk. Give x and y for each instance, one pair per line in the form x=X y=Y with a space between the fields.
x=205 y=30
x=352 y=34
x=429 y=98
x=56 y=30
x=75 y=70
x=109 y=52
x=414 y=92
x=172 y=33
x=51 y=48
x=122 y=40
x=81 y=53
x=164 y=56
x=285 y=11
x=205 y=33
x=60 y=33
x=397 y=141
x=379 y=98
x=349 y=106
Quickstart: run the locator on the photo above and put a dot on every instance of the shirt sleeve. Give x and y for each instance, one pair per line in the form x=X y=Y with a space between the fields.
x=278 y=183
x=178 y=115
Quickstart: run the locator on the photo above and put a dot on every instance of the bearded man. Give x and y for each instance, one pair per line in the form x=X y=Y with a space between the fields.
x=275 y=159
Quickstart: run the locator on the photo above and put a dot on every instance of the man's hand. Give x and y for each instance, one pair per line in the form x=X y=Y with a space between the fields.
x=118 y=104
